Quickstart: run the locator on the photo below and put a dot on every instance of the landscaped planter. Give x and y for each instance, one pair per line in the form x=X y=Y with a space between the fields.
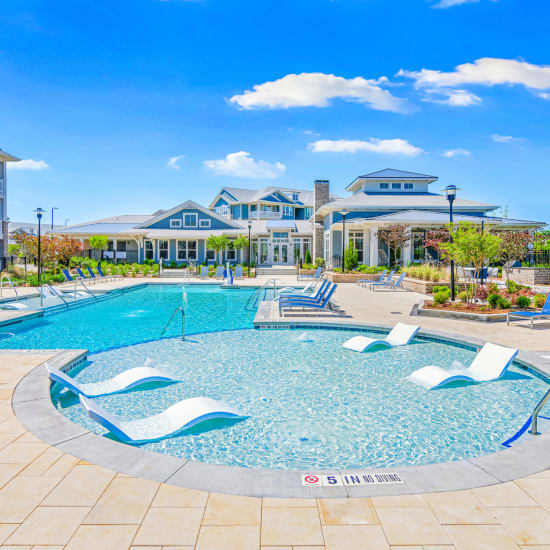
x=459 y=315
x=530 y=275
x=350 y=277
x=426 y=287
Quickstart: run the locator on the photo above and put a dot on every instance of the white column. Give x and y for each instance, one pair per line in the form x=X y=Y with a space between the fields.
x=407 y=251
x=373 y=246
x=114 y=249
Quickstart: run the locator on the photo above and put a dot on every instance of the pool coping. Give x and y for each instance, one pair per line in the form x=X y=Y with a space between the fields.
x=33 y=406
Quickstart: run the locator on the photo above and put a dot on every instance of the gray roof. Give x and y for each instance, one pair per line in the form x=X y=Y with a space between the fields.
x=113 y=224
x=393 y=201
x=392 y=173
x=7 y=157
x=263 y=227
x=252 y=195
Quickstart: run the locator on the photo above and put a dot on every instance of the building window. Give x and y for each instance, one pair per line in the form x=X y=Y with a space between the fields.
x=384 y=186
x=149 y=252
x=204 y=223
x=231 y=254
x=357 y=238
x=327 y=245
x=396 y=186
x=187 y=250
x=223 y=210
x=288 y=210
x=409 y=186
x=309 y=213
x=295 y=197
x=419 y=251
x=190 y=220
x=210 y=255
x=163 y=250
x=175 y=223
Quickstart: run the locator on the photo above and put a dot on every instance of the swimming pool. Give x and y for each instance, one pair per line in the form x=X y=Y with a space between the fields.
x=311 y=403
x=131 y=317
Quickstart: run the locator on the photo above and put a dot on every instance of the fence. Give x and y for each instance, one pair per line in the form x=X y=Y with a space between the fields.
x=538 y=257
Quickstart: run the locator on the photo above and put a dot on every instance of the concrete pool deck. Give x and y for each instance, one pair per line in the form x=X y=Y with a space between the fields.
x=52 y=499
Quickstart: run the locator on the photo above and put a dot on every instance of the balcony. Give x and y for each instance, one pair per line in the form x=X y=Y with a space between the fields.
x=265 y=215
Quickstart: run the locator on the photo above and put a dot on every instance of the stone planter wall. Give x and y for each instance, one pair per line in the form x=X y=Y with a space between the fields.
x=350 y=277
x=426 y=287
x=530 y=275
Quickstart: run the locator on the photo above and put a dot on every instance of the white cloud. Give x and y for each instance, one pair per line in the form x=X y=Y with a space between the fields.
x=487 y=71
x=373 y=145
x=504 y=139
x=456 y=153
x=242 y=165
x=29 y=164
x=444 y=4
x=173 y=162
x=453 y=98
x=317 y=90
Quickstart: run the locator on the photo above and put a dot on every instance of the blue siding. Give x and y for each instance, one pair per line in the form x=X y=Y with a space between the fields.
x=244 y=211
x=201 y=252
x=288 y=216
x=276 y=197
x=236 y=212
x=221 y=202
x=172 y=248
x=336 y=243
x=214 y=223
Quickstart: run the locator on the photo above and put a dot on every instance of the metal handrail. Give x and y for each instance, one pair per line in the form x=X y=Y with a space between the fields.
x=256 y=296
x=52 y=289
x=11 y=283
x=180 y=309
x=535 y=417
x=87 y=289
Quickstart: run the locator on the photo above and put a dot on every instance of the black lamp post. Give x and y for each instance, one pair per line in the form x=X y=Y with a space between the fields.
x=344 y=213
x=450 y=191
x=39 y=213
x=53 y=208
x=249 y=228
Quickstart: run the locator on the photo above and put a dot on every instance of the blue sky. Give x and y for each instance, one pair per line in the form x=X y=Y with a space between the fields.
x=98 y=95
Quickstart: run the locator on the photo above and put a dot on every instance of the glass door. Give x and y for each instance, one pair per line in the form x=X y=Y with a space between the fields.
x=276 y=253
x=263 y=251
x=284 y=254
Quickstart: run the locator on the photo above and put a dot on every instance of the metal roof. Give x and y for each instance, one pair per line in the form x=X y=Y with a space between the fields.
x=7 y=157
x=305 y=198
x=280 y=224
x=392 y=173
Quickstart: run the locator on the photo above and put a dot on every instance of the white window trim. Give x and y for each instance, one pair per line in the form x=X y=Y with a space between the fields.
x=207 y=221
x=384 y=186
x=191 y=214
x=145 y=249
x=187 y=258
x=411 y=186
x=295 y=197
x=396 y=186
x=288 y=210
x=167 y=259
x=175 y=222
x=233 y=252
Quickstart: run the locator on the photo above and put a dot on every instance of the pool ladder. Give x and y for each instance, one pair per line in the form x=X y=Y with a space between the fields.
x=535 y=417
x=11 y=284
x=252 y=302
x=182 y=311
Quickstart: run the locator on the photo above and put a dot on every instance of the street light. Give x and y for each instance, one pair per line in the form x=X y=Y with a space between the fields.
x=39 y=212
x=53 y=208
x=343 y=213
x=249 y=228
x=450 y=192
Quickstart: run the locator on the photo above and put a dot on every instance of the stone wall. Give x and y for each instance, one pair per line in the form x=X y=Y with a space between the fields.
x=321 y=196
x=530 y=275
x=4 y=242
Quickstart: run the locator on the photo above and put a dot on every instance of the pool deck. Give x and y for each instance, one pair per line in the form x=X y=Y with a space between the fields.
x=52 y=499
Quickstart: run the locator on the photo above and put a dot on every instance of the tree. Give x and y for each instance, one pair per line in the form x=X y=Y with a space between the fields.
x=395 y=236
x=307 y=259
x=513 y=248
x=471 y=246
x=99 y=242
x=14 y=249
x=434 y=239
x=217 y=244
x=241 y=243
x=351 y=260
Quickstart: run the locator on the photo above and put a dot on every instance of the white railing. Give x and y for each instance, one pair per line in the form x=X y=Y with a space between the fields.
x=223 y=211
x=265 y=215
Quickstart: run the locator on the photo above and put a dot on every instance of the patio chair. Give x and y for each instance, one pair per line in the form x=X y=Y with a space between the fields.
x=316 y=275
x=172 y=421
x=304 y=304
x=97 y=279
x=383 y=281
x=83 y=277
x=532 y=315
x=121 y=382
x=103 y=276
x=395 y=284
x=363 y=282
x=308 y=289
x=219 y=272
x=238 y=272
x=489 y=364
x=400 y=335
x=303 y=295
x=68 y=277
x=204 y=272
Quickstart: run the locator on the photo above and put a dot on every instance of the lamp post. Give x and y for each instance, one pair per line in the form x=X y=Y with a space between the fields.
x=53 y=208
x=39 y=213
x=343 y=213
x=249 y=228
x=450 y=192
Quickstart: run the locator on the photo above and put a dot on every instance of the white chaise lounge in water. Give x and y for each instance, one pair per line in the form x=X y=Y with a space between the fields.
x=121 y=382
x=490 y=363
x=173 y=420
x=400 y=335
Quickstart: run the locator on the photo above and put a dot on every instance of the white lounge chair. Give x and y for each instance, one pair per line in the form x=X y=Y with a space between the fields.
x=400 y=335
x=490 y=363
x=173 y=420
x=14 y=305
x=123 y=381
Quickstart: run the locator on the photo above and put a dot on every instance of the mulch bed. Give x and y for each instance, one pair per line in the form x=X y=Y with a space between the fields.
x=459 y=306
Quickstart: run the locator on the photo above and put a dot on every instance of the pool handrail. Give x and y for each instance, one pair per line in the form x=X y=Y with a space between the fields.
x=535 y=415
x=6 y=276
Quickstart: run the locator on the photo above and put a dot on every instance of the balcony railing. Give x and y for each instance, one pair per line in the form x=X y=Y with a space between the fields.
x=265 y=215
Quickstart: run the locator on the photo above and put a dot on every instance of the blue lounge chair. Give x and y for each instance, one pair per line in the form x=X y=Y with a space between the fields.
x=172 y=421
x=68 y=276
x=92 y=274
x=103 y=276
x=308 y=305
x=298 y=295
x=532 y=315
x=393 y=284
x=219 y=272
x=316 y=275
x=82 y=276
x=238 y=272
x=363 y=282
x=383 y=281
x=204 y=272
x=121 y=382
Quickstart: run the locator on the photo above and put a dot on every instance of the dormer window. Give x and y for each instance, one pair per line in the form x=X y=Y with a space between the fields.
x=409 y=186
x=295 y=197
x=175 y=223
x=384 y=186
x=396 y=186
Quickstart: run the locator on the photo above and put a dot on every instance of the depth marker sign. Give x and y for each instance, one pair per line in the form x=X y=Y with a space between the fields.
x=335 y=480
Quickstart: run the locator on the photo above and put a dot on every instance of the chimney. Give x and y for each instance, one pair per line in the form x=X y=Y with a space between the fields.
x=321 y=196
x=321 y=193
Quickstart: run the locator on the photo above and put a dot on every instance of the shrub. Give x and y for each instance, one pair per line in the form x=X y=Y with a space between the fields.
x=426 y=272
x=482 y=292
x=523 y=301
x=442 y=296
x=539 y=300
x=511 y=286
x=503 y=303
x=350 y=257
x=319 y=262
x=464 y=296
x=494 y=300
x=307 y=259
x=493 y=288
x=441 y=288
x=173 y=264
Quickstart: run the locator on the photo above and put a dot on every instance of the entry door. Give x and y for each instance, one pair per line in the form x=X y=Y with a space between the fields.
x=280 y=253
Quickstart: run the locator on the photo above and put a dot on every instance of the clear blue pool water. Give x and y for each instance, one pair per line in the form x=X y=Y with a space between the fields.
x=132 y=317
x=312 y=403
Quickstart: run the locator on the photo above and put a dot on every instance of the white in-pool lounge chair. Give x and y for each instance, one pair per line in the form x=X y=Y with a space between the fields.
x=400 y=335
x=14 y=305
x=173 y=420
x=490 y=363
x=123 y=381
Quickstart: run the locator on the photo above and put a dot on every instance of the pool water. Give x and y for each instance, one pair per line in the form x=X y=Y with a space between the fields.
x=311 y=403
x=132 y=317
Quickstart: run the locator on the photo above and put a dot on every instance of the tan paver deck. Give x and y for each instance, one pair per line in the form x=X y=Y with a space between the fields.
x=52 y=500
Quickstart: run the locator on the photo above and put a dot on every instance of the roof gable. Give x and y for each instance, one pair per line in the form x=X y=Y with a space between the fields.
x=391 y=174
